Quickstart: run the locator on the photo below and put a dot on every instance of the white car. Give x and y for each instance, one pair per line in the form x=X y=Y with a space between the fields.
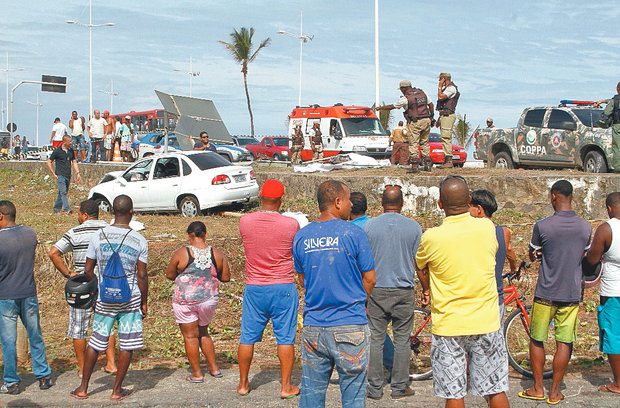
x=188 y=182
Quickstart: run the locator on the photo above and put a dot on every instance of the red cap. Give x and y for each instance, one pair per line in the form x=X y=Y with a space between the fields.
x=272 y=189
x=105 y=111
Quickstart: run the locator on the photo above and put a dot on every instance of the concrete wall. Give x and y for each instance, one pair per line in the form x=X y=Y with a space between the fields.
x=516 y=190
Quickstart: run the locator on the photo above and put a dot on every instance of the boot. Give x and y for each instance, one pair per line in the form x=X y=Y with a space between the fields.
x=414 y=168
x=447 y=164
x=427 y=163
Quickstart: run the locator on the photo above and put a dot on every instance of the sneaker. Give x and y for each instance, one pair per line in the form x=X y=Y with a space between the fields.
x=408 y=392
x=10 y=388
x=373 y=397
x=45 y=383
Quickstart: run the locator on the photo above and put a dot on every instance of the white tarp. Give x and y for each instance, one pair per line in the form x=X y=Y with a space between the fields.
x=345 y=161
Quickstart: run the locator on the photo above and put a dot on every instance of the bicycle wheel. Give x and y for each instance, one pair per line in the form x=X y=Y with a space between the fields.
x=517 y=336
x=420 y=342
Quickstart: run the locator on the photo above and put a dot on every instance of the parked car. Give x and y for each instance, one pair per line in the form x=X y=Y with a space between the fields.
x=275 y=148
x=234 y=153
x=243 y=141
x=459 y=155
x=153 y=143
x=188 y=182
x=38 y=152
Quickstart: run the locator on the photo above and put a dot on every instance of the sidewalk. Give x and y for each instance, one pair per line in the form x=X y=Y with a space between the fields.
x=165 y=388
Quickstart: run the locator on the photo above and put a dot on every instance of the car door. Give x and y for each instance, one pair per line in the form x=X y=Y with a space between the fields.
x=559 y=136
x=135 y=183
x=528 y=136
x=267 y=147
x=164 y=184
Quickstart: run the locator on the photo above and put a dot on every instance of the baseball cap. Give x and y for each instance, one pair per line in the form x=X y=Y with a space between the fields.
x=272 y=189
x=57 y=120
x=445 y=74
x=404 y=83
x=105 y=111
x=127 y=117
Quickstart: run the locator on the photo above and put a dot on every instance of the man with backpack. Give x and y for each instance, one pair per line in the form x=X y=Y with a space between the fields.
x=121 y=254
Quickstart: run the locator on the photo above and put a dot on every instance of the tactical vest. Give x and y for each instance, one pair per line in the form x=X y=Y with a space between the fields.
x=615 y=113
x=398 y=136
x=448 y=106
x=317 y=138
x=298 y=140
x=417 y=105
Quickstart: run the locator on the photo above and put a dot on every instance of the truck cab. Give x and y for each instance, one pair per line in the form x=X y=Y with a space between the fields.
x=345 y=129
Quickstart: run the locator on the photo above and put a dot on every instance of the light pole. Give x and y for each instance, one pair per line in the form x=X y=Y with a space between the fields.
x=90 y=26
x=376 y=52
x=7 y=69
x=37 y=106
x=303 y=38
x=112 y=95
x=191 y=74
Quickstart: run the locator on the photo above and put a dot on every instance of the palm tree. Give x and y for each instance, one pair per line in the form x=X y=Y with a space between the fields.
x=240 y=48
x=462 y=131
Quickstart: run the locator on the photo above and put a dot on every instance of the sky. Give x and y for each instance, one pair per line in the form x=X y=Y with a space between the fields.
x=503 y=56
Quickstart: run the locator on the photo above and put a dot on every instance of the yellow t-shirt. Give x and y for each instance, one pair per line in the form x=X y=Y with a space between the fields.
x=460 y=255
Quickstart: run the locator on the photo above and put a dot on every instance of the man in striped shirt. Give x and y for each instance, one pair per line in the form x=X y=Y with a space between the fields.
x=76 y=240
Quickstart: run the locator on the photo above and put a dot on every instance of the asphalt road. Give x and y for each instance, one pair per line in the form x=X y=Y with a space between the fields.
x=168 y=388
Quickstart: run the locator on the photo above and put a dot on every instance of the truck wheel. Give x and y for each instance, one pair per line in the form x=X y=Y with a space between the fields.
x=502 y=160
x=594 y=162
x=277 y=157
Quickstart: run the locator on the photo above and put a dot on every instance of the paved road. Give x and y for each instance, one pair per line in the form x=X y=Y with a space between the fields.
x=165 y=388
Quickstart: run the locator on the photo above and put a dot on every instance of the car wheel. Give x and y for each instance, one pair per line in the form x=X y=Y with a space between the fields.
x=459 y=164
x=277 y=157
x=134 y=154
x=502 y=160
x=594 y=162
x=189 y=207
x=104 y=205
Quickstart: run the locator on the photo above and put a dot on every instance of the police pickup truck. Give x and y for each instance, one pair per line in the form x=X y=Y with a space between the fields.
x=559 y=136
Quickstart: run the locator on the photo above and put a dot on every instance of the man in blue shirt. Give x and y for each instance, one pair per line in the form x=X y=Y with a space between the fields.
x=335 y=266
x=358 y=210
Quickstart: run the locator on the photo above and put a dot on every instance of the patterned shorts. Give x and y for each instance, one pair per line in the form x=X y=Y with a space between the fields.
x=78 y=322
x=129 y=324
x=125 y=146
x=488 y=365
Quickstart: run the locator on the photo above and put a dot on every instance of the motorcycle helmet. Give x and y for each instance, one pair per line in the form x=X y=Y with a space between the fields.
x=80 y=292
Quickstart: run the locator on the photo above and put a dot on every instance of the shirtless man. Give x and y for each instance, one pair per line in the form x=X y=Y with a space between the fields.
x=108 y=131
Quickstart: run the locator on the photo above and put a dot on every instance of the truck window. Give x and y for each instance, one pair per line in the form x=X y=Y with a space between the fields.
x=534 y=118
x=588 y=116
x=334 y=129
x=560 y=119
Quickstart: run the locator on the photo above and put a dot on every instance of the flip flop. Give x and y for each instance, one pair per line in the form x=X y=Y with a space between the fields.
x=106 y=371
x=291 y=396
x=555 y=402
x=124 y=394
x=216 y=375
x=605 y=388
x=243 y=395
x=80 y=397
x=194 y=380
x=524 y=394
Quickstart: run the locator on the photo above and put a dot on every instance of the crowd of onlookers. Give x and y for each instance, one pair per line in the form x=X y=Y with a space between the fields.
x=358 y=276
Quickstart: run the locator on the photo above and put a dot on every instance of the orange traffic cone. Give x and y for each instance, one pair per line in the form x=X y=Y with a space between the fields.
x=117 y=154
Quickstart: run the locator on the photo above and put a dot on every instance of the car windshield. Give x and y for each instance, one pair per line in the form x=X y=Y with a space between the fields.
x=588 y=116
x=208 y=160
x=280 y=141
x=247 y=141
x=362 y=127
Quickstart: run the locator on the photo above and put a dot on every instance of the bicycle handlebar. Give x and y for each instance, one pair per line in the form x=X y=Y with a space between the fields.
x=523 y=266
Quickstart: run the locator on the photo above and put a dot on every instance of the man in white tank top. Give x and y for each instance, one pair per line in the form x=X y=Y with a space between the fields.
x=606 y=248
x=77 y=126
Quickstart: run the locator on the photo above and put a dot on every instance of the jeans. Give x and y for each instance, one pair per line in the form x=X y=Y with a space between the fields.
x=61 y=199
x=346 y=348
x=385 y=305
x=97 y=145
x=28 y=311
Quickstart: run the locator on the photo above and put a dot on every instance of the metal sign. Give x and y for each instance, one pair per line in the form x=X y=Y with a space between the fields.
x=11 y=125
x=49 y=80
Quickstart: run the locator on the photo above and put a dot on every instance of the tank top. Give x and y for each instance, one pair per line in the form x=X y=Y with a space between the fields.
x=500 y=258
x=198 y=281
x=610 y=278
x=77 y=127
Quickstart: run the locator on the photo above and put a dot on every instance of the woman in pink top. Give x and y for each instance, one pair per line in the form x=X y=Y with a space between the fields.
x=196 y=270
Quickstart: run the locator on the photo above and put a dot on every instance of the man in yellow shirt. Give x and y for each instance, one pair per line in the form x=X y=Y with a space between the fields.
x=456 y=267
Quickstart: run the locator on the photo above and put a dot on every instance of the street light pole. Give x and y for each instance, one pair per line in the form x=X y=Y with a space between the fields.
x=7 y=69
x=112 y=95
x=376 y=52
x=191 y=74
x=303 y=38
x=37 y=106
x=90 y=26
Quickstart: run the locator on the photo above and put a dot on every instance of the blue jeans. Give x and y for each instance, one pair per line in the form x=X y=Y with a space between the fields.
x=346 y=348
x=61 y=199
x=28 y=311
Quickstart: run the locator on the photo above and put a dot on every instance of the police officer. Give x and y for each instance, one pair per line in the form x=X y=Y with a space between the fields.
x=612 y=111
x=447 y=98
x=297 y=146
x=490 y=124
x=317 y=142
x=400 y=150
x=419 y=113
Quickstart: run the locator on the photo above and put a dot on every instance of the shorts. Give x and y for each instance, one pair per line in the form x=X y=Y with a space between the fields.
x=609 y=326
x=78 y=322
x=125 y=146
x=79 y=143
x=107 y=142
x=129 y=319
x=564 y=316
x=203 y=312
x=487 y=367
x=56 y=143
x=278 y=302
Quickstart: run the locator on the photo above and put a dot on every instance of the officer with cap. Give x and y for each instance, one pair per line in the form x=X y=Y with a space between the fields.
x=490 y=124
x=419 y=112
x=297 y=145
x=447 y=98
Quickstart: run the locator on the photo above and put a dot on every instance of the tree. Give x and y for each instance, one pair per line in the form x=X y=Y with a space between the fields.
x=384 y=117
x=461 y=132
x=240 y=47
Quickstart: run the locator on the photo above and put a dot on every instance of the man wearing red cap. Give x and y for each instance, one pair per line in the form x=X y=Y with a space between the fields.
x=270 y=291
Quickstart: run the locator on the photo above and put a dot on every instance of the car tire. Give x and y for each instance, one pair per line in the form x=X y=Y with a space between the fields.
x=277 y=157
x=104 y=205
x=502 y=160
x=189 y=207
x=459 y=165
x=594 y=162
x=134 y=154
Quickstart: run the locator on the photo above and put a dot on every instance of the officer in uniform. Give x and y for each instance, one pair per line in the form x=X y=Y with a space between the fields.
x=317 y=142
x=419 y=113
x=297 y=145
x=400 y=149
x=612 y=111
x=447 y=98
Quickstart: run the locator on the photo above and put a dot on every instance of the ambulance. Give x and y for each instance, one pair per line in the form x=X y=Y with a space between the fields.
x=345 y=129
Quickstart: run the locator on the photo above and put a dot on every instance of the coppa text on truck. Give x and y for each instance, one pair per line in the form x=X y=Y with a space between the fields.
x=345 y=129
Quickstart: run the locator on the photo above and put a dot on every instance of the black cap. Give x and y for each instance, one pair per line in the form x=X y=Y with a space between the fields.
x=57 y=120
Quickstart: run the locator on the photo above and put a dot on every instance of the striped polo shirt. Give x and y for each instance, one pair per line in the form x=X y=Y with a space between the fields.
x=76 y=240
